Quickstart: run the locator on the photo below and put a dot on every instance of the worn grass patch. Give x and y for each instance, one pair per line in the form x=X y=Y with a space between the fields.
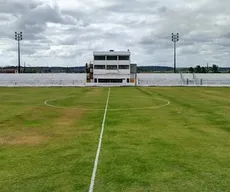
x=43 y=148
x=23 y=140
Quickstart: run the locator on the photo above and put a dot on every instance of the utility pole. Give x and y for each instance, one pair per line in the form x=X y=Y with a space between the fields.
x=18 y=37
x=175 y=38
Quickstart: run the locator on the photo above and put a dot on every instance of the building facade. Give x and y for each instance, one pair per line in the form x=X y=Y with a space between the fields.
x=111 y=67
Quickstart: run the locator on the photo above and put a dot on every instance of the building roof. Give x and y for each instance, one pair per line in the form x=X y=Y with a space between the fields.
x=110 y=53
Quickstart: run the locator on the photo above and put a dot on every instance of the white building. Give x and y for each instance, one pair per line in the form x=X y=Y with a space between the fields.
x=111 y=67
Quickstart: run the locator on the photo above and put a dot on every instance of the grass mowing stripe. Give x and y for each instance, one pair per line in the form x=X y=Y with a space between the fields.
x=99 y=147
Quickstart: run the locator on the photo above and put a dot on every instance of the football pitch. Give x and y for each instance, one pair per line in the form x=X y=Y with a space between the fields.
x=131 y=139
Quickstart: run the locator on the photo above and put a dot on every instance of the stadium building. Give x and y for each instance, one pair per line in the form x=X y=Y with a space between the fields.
x=111 y=67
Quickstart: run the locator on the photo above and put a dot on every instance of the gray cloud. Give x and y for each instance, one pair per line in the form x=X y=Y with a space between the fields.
x=69 y=31
x=134 y=6
x=15 y=7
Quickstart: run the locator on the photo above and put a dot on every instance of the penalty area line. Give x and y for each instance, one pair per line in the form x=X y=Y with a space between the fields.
x=99 y=147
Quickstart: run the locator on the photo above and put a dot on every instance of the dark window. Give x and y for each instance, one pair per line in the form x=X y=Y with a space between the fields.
x=109 y=80
x=127 y=80
x=124 y=57
x=99 y=57
x=111 y=67
x=111 y=57
x=99 y=66
x=123 y=66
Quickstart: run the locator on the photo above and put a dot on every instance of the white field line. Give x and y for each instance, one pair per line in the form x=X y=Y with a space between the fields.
x=118 y=109
x=99 y=147
x=61 y=107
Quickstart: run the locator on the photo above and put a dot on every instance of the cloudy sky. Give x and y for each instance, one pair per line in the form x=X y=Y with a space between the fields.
x=66 y=32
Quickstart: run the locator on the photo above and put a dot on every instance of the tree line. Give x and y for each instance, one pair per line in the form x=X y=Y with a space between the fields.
x=202 y=69
x=140 y=69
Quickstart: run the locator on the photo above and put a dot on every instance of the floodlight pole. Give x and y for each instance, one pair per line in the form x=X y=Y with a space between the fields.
x=175 y=38
x=174 y=57
x=18 y=37
x=19 y=60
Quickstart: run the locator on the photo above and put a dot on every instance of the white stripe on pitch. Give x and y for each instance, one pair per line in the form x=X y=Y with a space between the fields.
x=99 y=147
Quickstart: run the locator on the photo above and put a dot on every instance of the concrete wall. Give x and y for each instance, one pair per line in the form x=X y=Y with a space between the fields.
x=46 y=79
x=186 y=79
x=158 y=79
x=209 y=76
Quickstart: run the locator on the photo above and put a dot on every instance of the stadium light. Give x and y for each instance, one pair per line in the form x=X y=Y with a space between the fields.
x=18 y=37
x=175 y=38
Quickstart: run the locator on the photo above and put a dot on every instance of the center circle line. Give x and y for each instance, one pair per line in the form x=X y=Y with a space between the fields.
x=109 y=109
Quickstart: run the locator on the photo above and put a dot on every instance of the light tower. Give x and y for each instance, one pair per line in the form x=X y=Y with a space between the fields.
x=175 y=38
x=18 y=37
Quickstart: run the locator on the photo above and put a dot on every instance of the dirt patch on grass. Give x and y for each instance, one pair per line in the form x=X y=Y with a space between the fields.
x=23 y=140
x=64 y=124
x=69 y=117
x=68 y=123
x=94 y=91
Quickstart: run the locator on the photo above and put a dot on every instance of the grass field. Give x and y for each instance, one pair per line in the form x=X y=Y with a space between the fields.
x=148 y=144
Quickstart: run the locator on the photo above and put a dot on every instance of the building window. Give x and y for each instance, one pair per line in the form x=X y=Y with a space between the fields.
x=109 y=80
x=99 y=58
x=127 y=80
x=123 y=66
x=99 y=66
x=124 y=57
x=114 y=58
x=112 y=67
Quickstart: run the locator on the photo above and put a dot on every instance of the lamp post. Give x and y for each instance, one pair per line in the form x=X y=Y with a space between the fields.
x=175 y=38
x=18 y=37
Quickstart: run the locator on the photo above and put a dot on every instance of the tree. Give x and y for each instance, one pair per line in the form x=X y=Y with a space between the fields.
x=203 y=70
x=191 y=70
x=197 y=69
x=215 y=68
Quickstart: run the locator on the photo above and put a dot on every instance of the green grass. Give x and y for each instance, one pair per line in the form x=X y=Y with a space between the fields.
x=184 y=146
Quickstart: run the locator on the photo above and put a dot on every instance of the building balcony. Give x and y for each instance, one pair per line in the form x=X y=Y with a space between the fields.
x=107 y=72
